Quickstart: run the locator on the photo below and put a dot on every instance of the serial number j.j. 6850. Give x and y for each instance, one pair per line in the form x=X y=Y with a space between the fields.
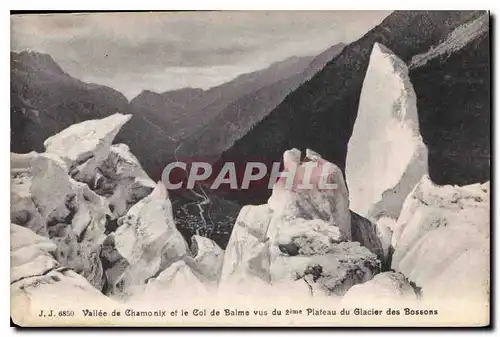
x=59 y=313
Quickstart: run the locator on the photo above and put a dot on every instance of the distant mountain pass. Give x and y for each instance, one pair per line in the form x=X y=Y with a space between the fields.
x=234 y=121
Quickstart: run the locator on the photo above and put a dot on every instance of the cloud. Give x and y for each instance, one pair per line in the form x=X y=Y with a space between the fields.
x=206 y=47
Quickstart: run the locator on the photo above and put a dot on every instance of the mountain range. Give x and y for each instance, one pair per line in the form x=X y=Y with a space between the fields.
x=45 y=100
x=452 y=90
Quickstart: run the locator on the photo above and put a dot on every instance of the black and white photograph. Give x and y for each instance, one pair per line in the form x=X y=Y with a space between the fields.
x=250 y=168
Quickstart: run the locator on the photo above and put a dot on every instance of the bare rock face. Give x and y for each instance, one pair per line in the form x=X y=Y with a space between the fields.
x=388 y=286
x=85 y=145
x=374 y=236
x=115 y=266
x=386 y=156
x=454 y=103
x=147 y=237
x=441 y=240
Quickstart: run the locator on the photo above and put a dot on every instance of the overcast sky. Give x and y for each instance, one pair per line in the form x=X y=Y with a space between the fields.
x=163 y=51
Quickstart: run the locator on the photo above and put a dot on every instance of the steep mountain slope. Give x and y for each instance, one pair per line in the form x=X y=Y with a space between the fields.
x=452 y=82
x=320 y=114
x=167 y=108
x=182 y=111
x=235 y=120
x=45 y=99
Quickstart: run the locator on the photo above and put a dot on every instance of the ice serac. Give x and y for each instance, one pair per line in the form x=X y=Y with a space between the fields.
x=172 y=284
x=441 y=240
x=122 y=180
x=310 y=230
x=37 y=278
x=30 y=254
x=85 y=145
x=148 y=239
x=300 y=240
x=39 y=187
x=246 y=259
x=51 y=197
x=102 y=216
x=320 y=194
x=50 y=183
x=200 y=274
x=386 y=156
x=46 y=200
x=208 y=258
x=23 y=210
x=388 y=286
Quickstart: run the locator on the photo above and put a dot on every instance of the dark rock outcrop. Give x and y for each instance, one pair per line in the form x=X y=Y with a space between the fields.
x=370 y=236
x=452 y=82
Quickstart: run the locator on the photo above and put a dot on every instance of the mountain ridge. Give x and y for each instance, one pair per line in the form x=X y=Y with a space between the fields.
x=241 y=115
x=320 y=114
x=45 y=99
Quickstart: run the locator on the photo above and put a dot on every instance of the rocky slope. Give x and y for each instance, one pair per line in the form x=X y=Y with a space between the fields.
x=321 y=113
x=45 y=100
x=168 y=108
x=452 y=82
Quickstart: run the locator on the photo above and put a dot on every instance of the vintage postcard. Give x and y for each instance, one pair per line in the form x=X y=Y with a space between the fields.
x=250 y=168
